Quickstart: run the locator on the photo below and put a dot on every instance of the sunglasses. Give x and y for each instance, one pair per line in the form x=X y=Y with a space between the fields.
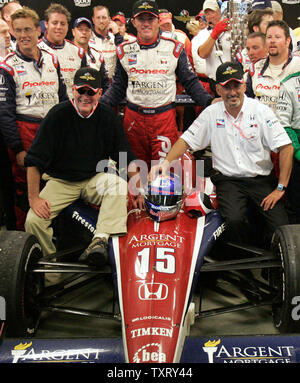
x=89 y=92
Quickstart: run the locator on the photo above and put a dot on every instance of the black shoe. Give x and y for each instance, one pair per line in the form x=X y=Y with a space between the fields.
x=96 y=253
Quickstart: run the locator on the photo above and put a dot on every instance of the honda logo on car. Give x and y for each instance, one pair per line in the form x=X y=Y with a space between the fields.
x=153 y=291
x=150 y=331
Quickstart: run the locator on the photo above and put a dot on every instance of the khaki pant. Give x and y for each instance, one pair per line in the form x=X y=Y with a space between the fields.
x=105 y=189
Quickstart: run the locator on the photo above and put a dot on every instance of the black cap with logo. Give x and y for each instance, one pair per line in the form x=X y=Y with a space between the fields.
x=89 y=77
x=142 y=6
x=229 y=71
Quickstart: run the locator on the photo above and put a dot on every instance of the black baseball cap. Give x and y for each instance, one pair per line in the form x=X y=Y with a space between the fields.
x=229 y=71
x=89 y=77
x=142 y=6
x=82 y=20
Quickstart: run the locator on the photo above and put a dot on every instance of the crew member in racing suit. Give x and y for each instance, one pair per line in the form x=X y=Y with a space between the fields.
x=263 y=82
x=70 y=57
x=146 y=75
x=264 y=77
x=82 y=32
x=32 y=84
x=106 y=37
x=288 y=111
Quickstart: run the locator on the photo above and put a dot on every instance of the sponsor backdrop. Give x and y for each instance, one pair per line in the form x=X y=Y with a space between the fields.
x=224 y=350
x=84 y=8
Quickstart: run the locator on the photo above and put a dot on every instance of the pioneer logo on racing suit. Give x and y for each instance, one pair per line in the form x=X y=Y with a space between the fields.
x=148 y=71
x=267 y=87
x=35 y=83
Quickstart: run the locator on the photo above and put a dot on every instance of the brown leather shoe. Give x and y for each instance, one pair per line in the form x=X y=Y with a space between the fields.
x=96 y=253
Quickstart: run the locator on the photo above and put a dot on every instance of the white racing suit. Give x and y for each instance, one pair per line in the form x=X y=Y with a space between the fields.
x=288 y=111
x=263 y=86
x=146 y=77
x=29 y=89
x=70 y=58
x=107 y=45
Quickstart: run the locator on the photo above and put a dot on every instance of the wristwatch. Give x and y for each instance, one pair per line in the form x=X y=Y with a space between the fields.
x=281 y=187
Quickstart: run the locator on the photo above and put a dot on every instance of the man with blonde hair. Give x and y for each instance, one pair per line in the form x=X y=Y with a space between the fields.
x=32 y=84
x=71 y=58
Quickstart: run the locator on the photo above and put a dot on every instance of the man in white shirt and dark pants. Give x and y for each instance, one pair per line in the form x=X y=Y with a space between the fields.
x=242 y=132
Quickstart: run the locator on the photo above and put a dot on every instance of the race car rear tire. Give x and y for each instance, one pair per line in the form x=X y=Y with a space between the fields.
x=19 y=252
x=286 y=245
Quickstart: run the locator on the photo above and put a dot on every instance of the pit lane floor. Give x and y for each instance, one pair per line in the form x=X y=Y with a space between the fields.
x=99 y=296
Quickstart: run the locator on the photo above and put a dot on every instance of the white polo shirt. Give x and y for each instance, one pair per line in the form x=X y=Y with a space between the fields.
x=240 y=147
x=219 y=54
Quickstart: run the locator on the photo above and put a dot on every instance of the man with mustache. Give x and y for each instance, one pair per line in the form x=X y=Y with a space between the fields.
x=264 y=76
x=106 y=37
x=241 y=132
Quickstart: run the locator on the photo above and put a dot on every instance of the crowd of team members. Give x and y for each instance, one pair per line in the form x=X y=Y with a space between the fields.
x=38 y=65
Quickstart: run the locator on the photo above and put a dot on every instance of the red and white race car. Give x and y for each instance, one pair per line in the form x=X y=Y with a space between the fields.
x=158 y=270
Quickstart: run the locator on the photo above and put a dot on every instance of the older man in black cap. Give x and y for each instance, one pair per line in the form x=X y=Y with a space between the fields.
x=82 y=33
x=241 y=132
x=73 y=139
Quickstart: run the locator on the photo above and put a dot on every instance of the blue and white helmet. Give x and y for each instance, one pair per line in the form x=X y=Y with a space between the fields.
x=164 y=198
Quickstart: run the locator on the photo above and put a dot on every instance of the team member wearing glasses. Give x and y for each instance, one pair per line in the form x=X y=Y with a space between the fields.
x=72 y=139
x=31 y=85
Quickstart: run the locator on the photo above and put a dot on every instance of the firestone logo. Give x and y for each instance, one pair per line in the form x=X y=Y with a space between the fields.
x=217 y=353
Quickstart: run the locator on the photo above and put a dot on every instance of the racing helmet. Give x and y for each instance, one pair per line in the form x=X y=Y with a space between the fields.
x=164 y=198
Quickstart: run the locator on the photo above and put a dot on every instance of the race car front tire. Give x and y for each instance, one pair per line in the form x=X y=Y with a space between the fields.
x=20 y=288
x=286 y=245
